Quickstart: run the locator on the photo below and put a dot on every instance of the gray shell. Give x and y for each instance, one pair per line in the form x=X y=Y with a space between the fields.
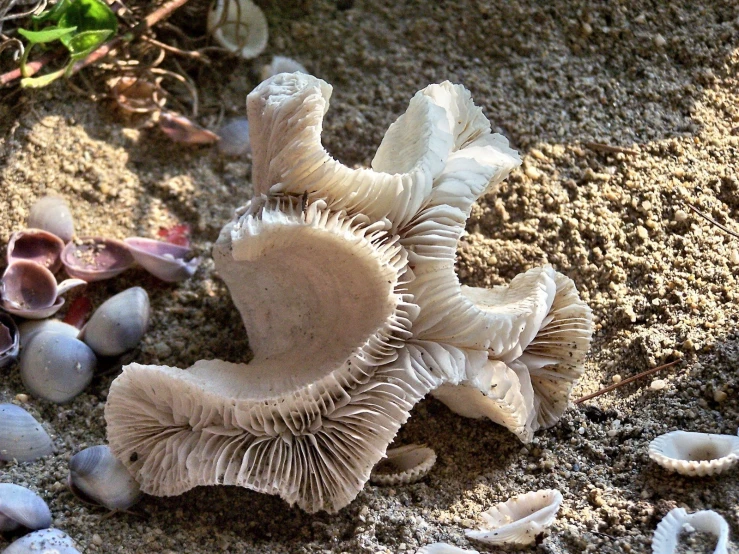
x=46 y=541
x=119 y=323
x=21 y=437
x=52 y=214
x=21 y=507
x=96 y=476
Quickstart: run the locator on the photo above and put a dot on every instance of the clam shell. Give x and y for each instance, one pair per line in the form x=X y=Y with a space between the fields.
x=9 y=340
x=21 y=507
x=52 y=214
x=119 y=323
x=695 y=454
x=444 y=548
x=234 y=138
x=45 y=541
x=520 y=519
x=281 y=64
x=38 y=246
x=96 y=259
x=29 y=329
x=22 y=438
x=404 y=465
x=667 y=534
x=241 y=29
x=96 y=476
x=164 y=260
x=56 y=367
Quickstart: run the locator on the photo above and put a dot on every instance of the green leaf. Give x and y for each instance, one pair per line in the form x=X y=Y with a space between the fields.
x=53 y=14
x=89 y=15
x=82 y=44
x=38 y=82
x=47 y=35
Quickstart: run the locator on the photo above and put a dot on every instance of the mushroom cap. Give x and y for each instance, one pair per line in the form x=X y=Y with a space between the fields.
x=667 y=534
x=695 y=454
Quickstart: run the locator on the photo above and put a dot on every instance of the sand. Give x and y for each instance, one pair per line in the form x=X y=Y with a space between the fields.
x=655 y=79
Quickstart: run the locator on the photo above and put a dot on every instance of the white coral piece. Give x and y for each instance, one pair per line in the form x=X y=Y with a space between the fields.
x=345 y=281
x=676 y=521
x=695 y=454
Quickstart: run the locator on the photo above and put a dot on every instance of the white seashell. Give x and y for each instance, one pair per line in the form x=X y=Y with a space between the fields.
x=281 y=64
x=22 y=438
x=9 y=340
x=52 y=214
x=96 y=476
x=444 y=548
x=30 y=290
x=404 y=465
x=695 y=454
x=234 y=138
x=118 y=325
x=56 y=367
x=164 y=260
x=520 y=519
x=45 y=541
x=29 y=329
x=667 y=534
x=21 y=507
x=239 y=26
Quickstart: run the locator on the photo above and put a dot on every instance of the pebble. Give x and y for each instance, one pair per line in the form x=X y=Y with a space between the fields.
x=720 y=396
x=680 y=216
x=616 y=379
x=659 y=41
x=658 y=384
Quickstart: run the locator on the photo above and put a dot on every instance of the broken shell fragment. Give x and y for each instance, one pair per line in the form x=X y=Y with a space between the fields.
x=29 y=329
x=44 y=541
x=520 y=519
x=95 y=258
x=234 y=138
x=239 y=26
x=96 y=476
x=21 y=507
x=667 y=534
x=56 y=367
x=30 y=290
x=183 y=130
x=164 y=260
x=118 y=325
x=404 y=465
x=22 y=438
x=38 y=246
x=9 y=340
x=695 y=454
x=444 y=548
x=51 y=213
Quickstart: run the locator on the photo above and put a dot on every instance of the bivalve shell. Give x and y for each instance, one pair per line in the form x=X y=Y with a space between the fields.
x=404 y=465
x=96 y=476
x=667 y=534
x=22 y=438
x=695 y=454
x=234 y=138
x=38 y=246
x=21 y=507
x=45 y=541
x=96 y=259
x=52 y=214
x=9 y=340
x=56 y=367
x=239 y=26
x=119 y=323
x=164 y=260
x=31 y=328
x=520 y=519
x=30 y=290
x=444 y=548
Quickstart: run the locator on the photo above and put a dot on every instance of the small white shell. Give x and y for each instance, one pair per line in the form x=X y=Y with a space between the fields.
x=46 y=541
x=239 y=26
x=695 y=454
x=21 y=507
x=234 y=138
x=667 y=534
x=21 y=437
x=119 y=323
x=443 y=548
x=52 y=214
x=95 y=475
x=404 y=465
x=281 y=64
x=520 y=519
x=164 y=260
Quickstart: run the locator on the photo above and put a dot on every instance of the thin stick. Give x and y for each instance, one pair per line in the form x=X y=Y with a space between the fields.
x=711 y=220
x=627 y=381
x=600 y=147
x=187 y=53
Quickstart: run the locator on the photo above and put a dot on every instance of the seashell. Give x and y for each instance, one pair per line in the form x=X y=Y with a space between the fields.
x=119 y=323
x=95 y=476
x=164 y=260
x=22 y=438
x=45 y=541
x=183 y=130
x=9 y=340
x=51 y=213
x=31 y=328
x=21 y=507
x=30 y=290
x=238 y=26
x=520 y=519
x=695 y=454
x=38 y=246
x=444 y=548
x=667 y=534
x=234 y=138
x=56 y=367
x=281 y=64
x=404 y=465
x=95 y=258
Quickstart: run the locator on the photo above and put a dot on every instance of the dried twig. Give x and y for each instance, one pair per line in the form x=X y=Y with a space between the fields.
x=711 y=220
x=187 y=53
x=600 y=147
x=627 y=381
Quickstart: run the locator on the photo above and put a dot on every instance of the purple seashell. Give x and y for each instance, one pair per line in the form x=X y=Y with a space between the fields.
x=30 y=290
x=9 y=340
x=95 y=258
x=234 y=138
x=163 y=259
x=52 y=214
x=38 y=246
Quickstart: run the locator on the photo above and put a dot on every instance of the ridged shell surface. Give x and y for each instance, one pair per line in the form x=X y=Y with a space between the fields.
x=21 y=507
x=667 y=535
x=695 y=454
x=22 y=438
x=404 y=465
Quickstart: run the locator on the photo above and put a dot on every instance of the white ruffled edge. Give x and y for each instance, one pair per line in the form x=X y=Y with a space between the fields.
x=659 y=452
x=667 y=534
